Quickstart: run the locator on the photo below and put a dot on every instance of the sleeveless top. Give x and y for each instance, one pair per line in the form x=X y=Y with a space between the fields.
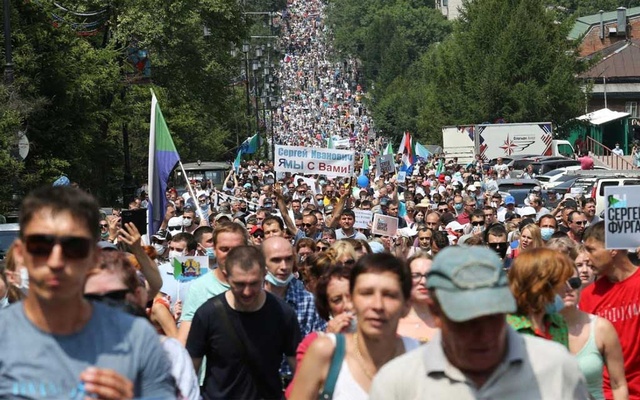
x=591 y=362
x=346 y=386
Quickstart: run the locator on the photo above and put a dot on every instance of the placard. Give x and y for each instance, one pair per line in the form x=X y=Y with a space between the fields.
x=622 y=217
x=385 y=164
x=402 y=177
x=188 y=268
x=305 y=160
x=363 y=218
x=384 y=225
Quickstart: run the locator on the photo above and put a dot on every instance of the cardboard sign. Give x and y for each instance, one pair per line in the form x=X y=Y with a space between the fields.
x=188 y=268
x=386 y=164
x=311 y=183
x=402 y=177
x=384 y=225
x=622 y=217
x=363 y=218
x=305 y=160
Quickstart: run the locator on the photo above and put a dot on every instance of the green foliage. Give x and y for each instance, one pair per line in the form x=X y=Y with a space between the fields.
x=72 y=96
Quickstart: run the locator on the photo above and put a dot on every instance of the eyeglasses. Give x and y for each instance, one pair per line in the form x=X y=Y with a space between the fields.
x=574 y=283
x=416 y=277
x=114 y=295
x=258 y=235
x=321 y=248
x=104 y=226
x=73 y=247
x=498 y=246
x=307 y=225
x=175 y=228
x=477 y=223
x=580 y=222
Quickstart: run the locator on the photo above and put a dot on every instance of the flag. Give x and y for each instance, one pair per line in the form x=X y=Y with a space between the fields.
x=188 y=268
x=250 y=144
x=330 y=143
x=163 y=157
x=408 y=150
x=388 y=149
x=365 y=165
x=421 y=151
x=236 y=162
x=440 y=167
x=403 y=143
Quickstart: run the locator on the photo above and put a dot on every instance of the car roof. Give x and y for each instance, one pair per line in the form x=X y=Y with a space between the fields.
x=14 y=226
x=512 y=181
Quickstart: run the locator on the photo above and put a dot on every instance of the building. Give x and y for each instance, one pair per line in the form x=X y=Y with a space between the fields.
x=449 y=8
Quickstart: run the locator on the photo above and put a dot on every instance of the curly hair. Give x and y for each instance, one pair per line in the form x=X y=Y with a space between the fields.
x=535 y=277
x=337 y=271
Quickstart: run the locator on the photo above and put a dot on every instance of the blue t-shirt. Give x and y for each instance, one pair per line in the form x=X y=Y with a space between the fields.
x=39 y=365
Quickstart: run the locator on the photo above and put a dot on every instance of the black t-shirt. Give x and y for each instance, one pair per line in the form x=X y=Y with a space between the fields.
x=268 y=334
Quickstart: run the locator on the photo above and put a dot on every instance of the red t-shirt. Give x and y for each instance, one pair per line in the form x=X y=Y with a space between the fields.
x=619 y=302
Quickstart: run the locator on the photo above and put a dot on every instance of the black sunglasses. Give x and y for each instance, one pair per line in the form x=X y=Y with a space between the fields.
x=114 y=295
x=307 y=225
x=574 y=282
x=496 y=246
x=258 y=235
x=104 y=225
x=321 y=248
x=73 y=247
x=476 y=223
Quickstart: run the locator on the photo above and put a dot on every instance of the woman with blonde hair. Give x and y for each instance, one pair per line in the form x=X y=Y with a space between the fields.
x=564 y=245
x=343 y=252
x=419 y=323
x=530 y=238
x=537 y=277
x=583 y=264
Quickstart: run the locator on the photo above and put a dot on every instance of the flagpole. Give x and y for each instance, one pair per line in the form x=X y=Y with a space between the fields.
x=152 y=160
x=195 y=199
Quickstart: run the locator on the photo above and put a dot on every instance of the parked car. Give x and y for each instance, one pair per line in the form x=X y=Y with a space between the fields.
x=506 y=185
x=559 y=175
x=542 y=167
x=8 y=233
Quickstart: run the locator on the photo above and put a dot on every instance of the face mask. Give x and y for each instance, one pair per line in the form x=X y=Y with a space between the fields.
x=24 y=279
x=4 y=302
x=494 y=204
x=174 y=254
x=546 y=233
x=187 y=221
x=160 y=248
x=210 y=252
x=278 y=282
x=458 y=206
x=556 y=306
x=104 y=235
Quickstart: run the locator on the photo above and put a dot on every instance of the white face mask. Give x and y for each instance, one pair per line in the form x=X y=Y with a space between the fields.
x=160 y=248
x=174 y=254
x=187 y=221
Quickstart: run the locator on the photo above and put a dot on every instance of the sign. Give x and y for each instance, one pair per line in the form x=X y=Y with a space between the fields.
x=188 y=268
x=385 y=164
x=384 y=225
x=342 y=143
x=305 y=160
x=402 y=177
x=363 y=218
x=622 y=217
x=311 y=183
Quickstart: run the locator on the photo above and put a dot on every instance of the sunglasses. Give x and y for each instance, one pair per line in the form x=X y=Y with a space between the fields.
x=258 y=235
x=103 y=226
x=175 y=228
x=580 y=222
x=73 y=247
x=498 y=246
x=114 y=295
x=321 y=248
x=477 y=223
x=307 y=225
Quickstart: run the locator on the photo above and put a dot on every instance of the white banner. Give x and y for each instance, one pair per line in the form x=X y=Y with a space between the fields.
x=363 y=218
x=305 y=160
x=622 y=217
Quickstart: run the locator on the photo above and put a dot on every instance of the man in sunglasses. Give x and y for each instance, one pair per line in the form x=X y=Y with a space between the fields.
x=577 y=224
x=105 y=353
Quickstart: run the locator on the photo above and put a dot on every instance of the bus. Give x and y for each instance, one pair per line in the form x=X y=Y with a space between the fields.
x=214 y=171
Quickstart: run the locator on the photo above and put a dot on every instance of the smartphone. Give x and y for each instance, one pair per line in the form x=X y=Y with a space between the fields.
x=138 y=217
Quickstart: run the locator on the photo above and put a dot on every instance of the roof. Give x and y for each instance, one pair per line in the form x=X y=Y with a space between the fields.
x=622 y=63
x=583 y=24
x=602 y=116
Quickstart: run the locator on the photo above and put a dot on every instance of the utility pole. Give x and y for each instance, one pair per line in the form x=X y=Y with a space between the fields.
x=8 y=66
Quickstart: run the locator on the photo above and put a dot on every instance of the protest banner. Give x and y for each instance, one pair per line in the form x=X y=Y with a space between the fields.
x=385 y=164
x=622 y=217
x=341 y=144
x=363 y=218
x=305 y=160
x=384 y=225
x=402 y=177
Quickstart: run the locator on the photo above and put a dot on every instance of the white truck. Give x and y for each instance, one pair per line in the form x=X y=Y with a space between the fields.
x=502 y=140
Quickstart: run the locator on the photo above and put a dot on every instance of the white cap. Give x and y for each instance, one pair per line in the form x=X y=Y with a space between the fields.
x=471 y=188
x=455 y=226
x=524 y=211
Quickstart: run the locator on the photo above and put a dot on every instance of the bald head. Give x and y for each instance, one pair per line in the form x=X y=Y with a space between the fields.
x=279 y=255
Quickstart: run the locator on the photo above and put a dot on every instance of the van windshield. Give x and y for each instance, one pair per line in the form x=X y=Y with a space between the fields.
x=565 y=149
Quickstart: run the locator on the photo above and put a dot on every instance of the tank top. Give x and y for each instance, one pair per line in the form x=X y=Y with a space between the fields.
x=346 y=386
x=591 y=362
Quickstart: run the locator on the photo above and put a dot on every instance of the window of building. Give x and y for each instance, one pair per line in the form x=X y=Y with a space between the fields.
x=632 y=108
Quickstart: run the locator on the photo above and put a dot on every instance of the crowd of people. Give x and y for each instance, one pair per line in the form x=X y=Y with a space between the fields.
x=473 y=296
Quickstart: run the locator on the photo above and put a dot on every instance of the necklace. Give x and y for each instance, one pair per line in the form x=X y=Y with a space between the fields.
x=360 y=358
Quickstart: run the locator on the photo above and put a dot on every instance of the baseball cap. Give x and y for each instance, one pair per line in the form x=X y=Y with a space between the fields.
x=470 y=282
x=220 y=216
x=527 y=211
x=509 y=200
x=162 y=235
x=255 y=229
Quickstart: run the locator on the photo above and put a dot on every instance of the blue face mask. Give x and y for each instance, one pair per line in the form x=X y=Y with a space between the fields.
x=210 y=252
x=546 y=233
x=458 y=206
x=278 y=282
x=556 y=306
